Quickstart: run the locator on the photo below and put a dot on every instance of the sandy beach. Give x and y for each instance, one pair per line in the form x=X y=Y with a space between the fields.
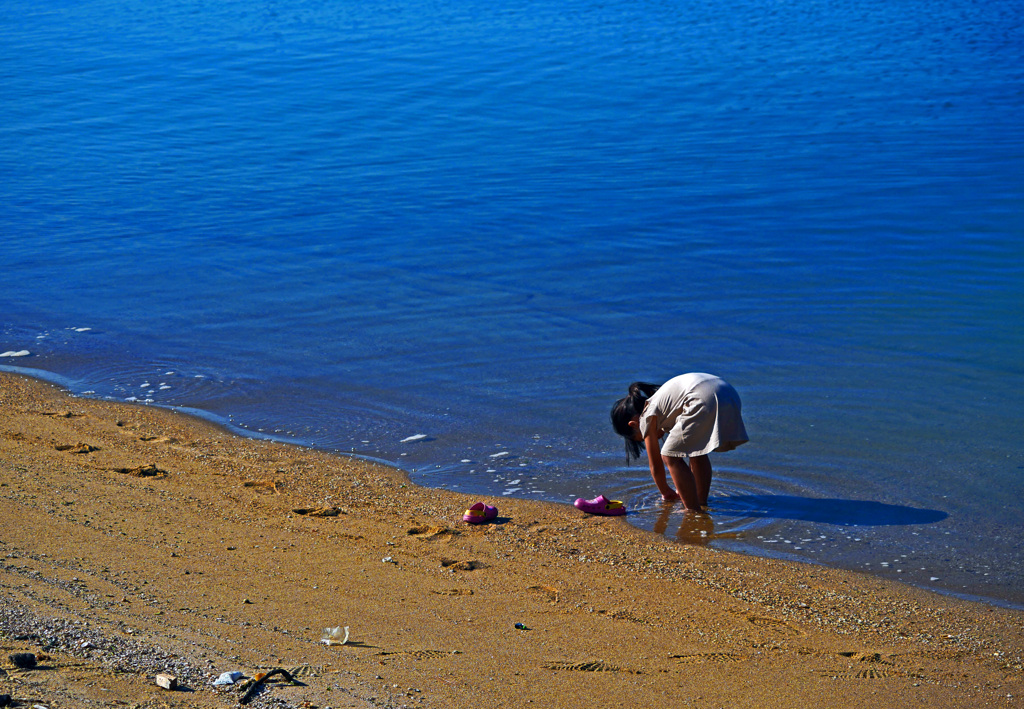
x=136 y=541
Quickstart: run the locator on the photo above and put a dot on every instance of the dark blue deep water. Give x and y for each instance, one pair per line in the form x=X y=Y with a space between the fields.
x=347 y=224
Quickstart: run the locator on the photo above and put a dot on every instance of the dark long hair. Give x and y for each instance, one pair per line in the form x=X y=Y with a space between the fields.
x=626 y=409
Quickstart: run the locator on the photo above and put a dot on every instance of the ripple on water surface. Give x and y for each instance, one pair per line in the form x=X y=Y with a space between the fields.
x=730 y=517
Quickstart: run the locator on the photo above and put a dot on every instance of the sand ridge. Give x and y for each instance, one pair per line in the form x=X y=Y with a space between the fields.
x=135 y=540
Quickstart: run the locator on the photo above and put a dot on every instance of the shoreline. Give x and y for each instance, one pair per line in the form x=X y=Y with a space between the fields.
x=67 y=384
x=163 y=542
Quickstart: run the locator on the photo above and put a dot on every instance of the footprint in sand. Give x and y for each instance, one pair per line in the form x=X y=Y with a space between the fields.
x=419 y=654
x=549 y=592
x=158 y=439
x=428 y=531
x=591 y=666
x=461 y=565
x=143 y=471
x=624 y=615
x=866 y=657
x=263 y=486
x=78 y=448
x=779 y=626
x=710 y=657
x=867 y=673
x=317 y=511
x=877 y=666
x=454 y=592
x=877 y=673
x=297 y=672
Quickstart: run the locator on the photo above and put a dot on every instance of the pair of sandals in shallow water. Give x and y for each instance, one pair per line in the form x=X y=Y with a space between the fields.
x=600 y=505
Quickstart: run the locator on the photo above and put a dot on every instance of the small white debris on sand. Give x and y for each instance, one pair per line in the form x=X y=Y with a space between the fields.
x=335 y=636
x=417 y=437
x=13 y=353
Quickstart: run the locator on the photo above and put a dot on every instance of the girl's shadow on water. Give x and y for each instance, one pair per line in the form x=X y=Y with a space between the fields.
x=700 y=528
x=828 y=511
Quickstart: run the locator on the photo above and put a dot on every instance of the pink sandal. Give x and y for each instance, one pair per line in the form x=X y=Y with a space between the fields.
x=480 y=513
x=601 y=505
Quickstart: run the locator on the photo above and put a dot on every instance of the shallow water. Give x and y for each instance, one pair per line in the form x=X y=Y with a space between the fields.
x=347 y=226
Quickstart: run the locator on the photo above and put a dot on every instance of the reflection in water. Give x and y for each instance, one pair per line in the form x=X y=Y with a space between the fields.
x=694 y=528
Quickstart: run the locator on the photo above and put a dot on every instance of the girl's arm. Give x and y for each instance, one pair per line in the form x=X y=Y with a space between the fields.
x=654 y=459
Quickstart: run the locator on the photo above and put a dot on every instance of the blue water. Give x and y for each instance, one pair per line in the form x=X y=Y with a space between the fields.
x=346 y=224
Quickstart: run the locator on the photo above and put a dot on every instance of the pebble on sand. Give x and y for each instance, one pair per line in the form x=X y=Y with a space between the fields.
x=167 y=681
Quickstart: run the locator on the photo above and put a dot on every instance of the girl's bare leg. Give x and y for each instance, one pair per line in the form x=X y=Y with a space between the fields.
x=684 y=481
x=700 y=467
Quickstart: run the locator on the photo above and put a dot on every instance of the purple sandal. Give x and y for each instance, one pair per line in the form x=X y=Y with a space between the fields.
x=601 y=505
x=480 y=513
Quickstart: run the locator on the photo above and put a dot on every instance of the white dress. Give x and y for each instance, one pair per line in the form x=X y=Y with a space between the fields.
x=699 y=412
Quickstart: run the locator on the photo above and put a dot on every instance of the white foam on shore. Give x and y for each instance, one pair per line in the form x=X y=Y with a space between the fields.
x=13 y=353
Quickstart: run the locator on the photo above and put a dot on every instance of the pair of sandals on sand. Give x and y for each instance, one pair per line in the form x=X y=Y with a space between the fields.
x=600 y=505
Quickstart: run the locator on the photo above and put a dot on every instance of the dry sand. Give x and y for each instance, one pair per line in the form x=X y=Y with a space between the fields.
x=134 y=540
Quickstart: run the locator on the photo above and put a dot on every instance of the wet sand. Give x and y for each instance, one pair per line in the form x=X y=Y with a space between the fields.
x=135 y=541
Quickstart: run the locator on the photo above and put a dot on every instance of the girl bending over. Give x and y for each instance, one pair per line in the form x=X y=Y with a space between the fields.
x=700 y=413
